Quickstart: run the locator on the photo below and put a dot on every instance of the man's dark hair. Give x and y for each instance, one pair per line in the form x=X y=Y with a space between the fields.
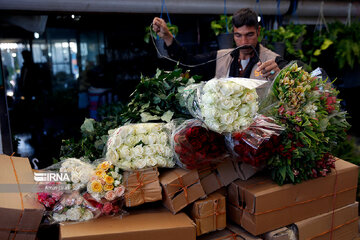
x=245 y=16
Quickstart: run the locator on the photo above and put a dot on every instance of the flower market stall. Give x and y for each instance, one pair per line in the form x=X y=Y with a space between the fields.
x=221 y=159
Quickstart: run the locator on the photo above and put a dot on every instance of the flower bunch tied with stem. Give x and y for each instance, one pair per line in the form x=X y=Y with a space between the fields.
x=308 y=107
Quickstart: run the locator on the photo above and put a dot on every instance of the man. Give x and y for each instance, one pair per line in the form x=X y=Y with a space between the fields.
x=243 y=62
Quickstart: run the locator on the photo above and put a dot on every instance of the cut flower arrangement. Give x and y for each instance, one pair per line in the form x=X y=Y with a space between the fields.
x=73 y=207
x=308 y=107
x=225 y=105
x=196 y=146
x=138 y=146
x=106 y=182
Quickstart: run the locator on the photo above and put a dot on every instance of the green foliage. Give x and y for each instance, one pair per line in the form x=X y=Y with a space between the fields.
x=155 y=98
x=291 y=36
x=172 y=28
x=158 y=97
x=223 y=25
x=310 y=112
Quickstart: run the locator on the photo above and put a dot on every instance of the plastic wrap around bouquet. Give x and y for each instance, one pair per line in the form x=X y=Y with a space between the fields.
x=139 y=146
x=306 y=104
x=74 y=208
x=105 y=183
x=196 y=146
x=257 y=143
x=225 y=105
x=74 y=175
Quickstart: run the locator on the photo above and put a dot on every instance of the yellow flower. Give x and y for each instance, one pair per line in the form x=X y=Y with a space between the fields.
x=100 y=173
x=109 y=179
x=96 y=186
x=108 y=187
x=105 y=165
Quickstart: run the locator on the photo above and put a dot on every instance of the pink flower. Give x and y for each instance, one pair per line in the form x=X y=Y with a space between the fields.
x=314 y=173
x=281 y=110
x=108 y=207
x=42 y=196
x=297 y=128
x=56 y=195
x=291 y=113
x=79 y=200
x=297 y=118
x=110 y=195
x=119 y=190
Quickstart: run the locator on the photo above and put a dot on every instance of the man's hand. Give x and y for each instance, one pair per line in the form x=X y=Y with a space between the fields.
x=159 y=26
x=269 y=69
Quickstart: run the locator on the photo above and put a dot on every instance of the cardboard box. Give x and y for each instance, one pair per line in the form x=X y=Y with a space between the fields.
x=245 y=171
x=283 y=233
x=268 y=206
x=319 y=227
x=209 y=214
x=148 y=224
x=142 y=186
x=213 y=178
x=18 y=211
x=180 y=188
x=232 y=232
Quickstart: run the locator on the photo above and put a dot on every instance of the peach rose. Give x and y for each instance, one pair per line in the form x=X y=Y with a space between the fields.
x=119 y=190
x=110 y=195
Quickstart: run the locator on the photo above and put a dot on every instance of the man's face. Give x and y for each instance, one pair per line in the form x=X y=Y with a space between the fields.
x=246 y=36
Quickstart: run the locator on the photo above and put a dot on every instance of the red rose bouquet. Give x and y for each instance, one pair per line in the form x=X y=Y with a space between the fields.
x=196 y=146
x=257 y=143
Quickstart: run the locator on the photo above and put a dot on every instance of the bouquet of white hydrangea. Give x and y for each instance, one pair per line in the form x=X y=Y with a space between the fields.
x=225 y=105
x=138 y=146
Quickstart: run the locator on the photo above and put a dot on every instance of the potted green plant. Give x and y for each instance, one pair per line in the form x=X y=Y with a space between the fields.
x=223 y=30
x=158 y=41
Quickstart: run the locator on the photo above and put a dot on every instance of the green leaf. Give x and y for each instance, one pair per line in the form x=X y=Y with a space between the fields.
x=326 y=44
x=311 y=134
x=145 y=117
x=167 y=116
x=88 y=126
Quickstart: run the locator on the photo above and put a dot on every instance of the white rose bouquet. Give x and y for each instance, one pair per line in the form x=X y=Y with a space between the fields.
x=138 y=146
x=80 y=172
x=73 y=207
x=225 y=105
x=105 y=183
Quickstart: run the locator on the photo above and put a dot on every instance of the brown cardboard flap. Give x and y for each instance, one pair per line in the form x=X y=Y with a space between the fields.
x=234 y=213
x=11 y=204
x=213 y=178
x=245 y=171
x=241 y=232
x=155 y=224
x=279 y=234
x=142 y=186
x=321 y=225
x=227 y=172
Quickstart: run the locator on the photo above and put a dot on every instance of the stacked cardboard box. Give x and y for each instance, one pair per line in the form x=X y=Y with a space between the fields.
x=20 y=214
x=260 y=205
x=149 y=224
x=142 y=186
x=209 y=214
x=180 y=188
x=341 y=224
